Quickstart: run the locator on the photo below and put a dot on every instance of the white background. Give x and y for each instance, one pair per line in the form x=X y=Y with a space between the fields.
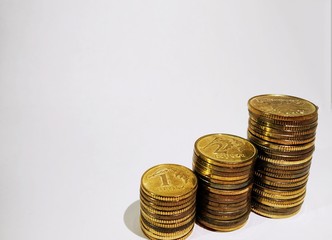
x=93 y=93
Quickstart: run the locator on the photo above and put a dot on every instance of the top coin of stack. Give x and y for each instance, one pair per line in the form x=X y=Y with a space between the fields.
x=223 y=164
x=168 y=202
x=283 y=129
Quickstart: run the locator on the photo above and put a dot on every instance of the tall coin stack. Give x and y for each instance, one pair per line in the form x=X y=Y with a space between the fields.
x=224 y=167
x=283 y=129
x=168 y=202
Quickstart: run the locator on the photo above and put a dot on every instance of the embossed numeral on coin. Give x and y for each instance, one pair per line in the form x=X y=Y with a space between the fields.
x=164 y=179
x=221 y=145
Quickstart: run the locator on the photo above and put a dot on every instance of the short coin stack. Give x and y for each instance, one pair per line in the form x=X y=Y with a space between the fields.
x=283 y=130
x=168 y=202
x=223 y=164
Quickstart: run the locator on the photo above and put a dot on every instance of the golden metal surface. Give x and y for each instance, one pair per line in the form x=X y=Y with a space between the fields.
x=224 y=167
x=224 y=148
x=168 y=202
x=153 y=236
x=283 y=129
x=169 y=180
x=282 y=107
x=222 y=226
x=271 y=214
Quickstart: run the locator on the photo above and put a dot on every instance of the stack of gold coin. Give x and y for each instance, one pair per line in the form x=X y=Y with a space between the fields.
x=223 y=165
x=168 y=202
x=283 y=129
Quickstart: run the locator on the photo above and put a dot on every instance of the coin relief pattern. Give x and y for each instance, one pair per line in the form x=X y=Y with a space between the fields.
x=169 y=179
x=224 y=148
x=282 y=106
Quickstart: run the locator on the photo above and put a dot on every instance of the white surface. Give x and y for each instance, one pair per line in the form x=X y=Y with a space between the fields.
x=92 y=93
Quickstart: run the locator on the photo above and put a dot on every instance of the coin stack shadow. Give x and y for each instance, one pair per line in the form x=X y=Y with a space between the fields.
x=168 y=202
x=283 y=130
x=223 y=165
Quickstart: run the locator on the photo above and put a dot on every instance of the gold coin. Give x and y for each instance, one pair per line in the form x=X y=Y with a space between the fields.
x=236 y=173
x=295 y=167
x=278 y=210
x=278 y=202
x=171 y=226
x=280 y=163
x=167 y=219
x=209 y=173
x=166 y=208
x=282 y=126
x=281 y=154
x=223 y=198
x=230 y=212
x=279 y=187
x=283 y=129
x=284 y=141
x=225 y=149
x=153 y=236
x=153 y=219
x=168 y=199
x=291 y=123
x=213 y=227
x=223 y=210
x=240 y=191
x=226 y=201
x=280 y=182
x=281 y=135
x=224 y=216
x=285 y=162
x=270 y=147
x=280 y=193
x=287 y=157
x=170 y=182
x=167 y=232
x=231 y=185
x=282 y=174
x=226 y=181
x=166 y=211
x=273 y=212
x=173 y=204
x=215 y=206
x=224 y=168
x=220 y=225
x=290 y=195
x=165 y=216
x=282 y=107
x=221 y=202
x=190 y=220
x=275 y=215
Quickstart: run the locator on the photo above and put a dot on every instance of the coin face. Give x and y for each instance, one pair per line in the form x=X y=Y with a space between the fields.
x=169 y=180
x=225 y=148
x=282 y=105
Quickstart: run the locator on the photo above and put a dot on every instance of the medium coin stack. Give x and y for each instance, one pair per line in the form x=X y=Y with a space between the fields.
x=223 y=165
x=168 y=202
x=283 y=130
